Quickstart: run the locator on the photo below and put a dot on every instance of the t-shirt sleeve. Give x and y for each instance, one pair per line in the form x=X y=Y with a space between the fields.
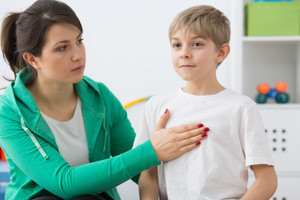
x=254 y=140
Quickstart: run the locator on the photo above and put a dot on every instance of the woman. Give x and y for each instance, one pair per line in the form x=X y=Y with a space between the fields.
x=65 y=135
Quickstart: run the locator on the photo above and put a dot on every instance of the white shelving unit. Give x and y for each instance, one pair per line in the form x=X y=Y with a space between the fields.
x=271 y=59
x=271 y=39
x=263 y=58
x=266 y=59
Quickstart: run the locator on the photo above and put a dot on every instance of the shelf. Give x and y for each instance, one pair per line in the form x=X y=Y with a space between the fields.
x=271 y=39
x=271 y=59
x=287 y=106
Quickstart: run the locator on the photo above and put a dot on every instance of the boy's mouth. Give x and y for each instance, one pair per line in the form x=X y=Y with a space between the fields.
x=182 y=66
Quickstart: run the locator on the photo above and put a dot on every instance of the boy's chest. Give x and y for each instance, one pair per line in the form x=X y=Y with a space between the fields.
x=218 y=118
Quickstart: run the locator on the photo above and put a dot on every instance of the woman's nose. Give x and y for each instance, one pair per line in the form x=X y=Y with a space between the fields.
x=78 y=53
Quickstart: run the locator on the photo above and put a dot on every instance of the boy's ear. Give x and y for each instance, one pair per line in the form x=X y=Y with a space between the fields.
x=223 y=52
x=31 y=59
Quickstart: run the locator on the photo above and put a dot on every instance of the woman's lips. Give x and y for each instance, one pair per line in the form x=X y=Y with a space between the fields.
x=78 y=69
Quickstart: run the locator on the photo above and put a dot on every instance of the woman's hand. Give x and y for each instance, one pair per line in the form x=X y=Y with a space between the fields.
x=171 y=143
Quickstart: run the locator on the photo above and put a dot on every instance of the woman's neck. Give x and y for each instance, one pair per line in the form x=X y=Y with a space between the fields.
x=57 y=101
x=52 y=93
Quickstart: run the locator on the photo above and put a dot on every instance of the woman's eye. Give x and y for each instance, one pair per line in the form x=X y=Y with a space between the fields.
x=176 y=45
x=80 y=41
x=62 y=48
x=197 y=44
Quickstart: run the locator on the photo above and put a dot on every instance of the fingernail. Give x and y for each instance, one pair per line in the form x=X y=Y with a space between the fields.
x=198 y=143
x=206 y=129
x=166 y=111
x=204 y=135
x=200 y=125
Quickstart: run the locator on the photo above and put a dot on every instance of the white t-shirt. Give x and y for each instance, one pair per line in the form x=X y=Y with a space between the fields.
x=217 y=169
x=70 y=137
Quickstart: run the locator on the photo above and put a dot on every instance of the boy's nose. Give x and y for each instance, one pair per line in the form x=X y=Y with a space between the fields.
x=186 y=53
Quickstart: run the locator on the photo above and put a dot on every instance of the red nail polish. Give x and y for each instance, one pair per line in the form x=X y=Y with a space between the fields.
x=206 y=129
x=204 y=135
x=166 y=111
x=198 y=143
x=200 y=125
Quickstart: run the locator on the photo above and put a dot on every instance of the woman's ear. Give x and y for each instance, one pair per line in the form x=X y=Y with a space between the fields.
x=31 y=59
x=223 y=52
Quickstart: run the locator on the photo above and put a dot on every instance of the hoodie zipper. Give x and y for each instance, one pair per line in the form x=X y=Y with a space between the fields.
x=105 y=136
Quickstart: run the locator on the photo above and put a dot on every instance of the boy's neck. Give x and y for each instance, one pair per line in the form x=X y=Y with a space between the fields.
x=203 y=88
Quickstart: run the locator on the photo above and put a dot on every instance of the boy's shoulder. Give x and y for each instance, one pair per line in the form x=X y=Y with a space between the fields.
x=228 y=97
x=240 y=100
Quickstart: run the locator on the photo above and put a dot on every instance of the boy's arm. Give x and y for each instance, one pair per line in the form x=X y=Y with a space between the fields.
x=148 y=184
x=265 y=183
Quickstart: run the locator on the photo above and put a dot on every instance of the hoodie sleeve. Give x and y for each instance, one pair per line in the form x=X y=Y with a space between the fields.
x=121 y=132
x=55 y=175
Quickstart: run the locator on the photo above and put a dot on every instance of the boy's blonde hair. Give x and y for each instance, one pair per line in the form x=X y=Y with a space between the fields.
x=204 y=21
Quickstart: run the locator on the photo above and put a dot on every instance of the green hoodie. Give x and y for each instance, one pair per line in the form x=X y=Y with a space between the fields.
x=34 y=161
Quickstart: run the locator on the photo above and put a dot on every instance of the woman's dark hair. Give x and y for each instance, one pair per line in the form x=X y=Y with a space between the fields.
x=25 y=32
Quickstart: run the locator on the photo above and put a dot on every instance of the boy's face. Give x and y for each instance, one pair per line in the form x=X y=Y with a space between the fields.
x=195 y=59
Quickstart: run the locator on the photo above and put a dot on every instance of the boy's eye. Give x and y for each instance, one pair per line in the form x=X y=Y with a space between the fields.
x=176 y=45
x=197 y=44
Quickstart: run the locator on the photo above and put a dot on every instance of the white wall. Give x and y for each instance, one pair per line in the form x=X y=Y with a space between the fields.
x=127 y=43
x=127 y=48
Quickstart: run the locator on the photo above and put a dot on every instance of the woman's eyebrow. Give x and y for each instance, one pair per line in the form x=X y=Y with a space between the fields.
x=67 y=41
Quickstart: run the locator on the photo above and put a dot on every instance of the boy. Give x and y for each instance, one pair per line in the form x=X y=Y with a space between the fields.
x=199 y=37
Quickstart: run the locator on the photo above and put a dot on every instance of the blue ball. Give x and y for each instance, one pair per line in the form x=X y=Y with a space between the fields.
x=273 y=93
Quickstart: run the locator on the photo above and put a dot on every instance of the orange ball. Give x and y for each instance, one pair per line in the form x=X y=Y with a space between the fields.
x=281 y=86
x=263 y=88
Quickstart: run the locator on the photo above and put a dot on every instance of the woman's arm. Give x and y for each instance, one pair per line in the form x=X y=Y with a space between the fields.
x=55 y=175
x=265 y=183
x=148 y=184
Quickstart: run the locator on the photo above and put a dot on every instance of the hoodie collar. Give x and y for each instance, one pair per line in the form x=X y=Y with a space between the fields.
x=24 y=103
